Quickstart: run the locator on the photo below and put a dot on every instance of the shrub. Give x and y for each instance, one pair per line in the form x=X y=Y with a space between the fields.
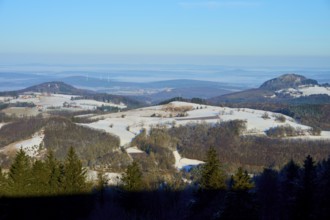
x=265 y=116
x=280 y=118
x=315 y=131
x=283 y=131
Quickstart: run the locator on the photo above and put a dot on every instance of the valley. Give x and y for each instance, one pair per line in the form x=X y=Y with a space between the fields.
x=167 y=143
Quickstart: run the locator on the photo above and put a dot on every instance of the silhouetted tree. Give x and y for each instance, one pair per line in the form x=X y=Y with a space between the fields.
x=239 y=203
x=267 y=194
x=288 y=189
x=307 y=187
x=322 y=197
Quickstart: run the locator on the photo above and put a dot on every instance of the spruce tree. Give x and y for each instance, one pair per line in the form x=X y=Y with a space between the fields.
x=241 y=180
x=54 y=173
x=288 y=189
x=213 y=177
x=323 y=190
x=238 y=201
x=132 y=178
x=74 y=180
x=19 y=177
x=39 y=178
x=307 y=189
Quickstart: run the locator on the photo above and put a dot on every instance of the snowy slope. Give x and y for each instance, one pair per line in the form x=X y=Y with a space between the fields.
x=57 y=101
x=305 y=91
x=126 y=125
x=31 y=146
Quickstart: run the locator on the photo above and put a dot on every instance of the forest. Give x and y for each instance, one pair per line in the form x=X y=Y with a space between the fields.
x=34 y=189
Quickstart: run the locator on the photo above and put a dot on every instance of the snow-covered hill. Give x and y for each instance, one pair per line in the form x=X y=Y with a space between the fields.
x=126 y=125
x=60 y=101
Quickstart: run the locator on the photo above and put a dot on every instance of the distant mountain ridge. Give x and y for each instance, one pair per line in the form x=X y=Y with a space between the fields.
x=56 y=87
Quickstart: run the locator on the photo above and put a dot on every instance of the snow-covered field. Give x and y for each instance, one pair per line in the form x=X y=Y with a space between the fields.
x=305 y=91
x=45 y=101
x=126 y=125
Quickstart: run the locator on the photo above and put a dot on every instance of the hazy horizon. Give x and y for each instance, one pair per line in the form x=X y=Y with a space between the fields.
x=232 y=41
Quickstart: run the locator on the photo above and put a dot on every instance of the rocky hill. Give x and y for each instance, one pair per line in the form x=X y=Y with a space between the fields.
x=288 y=88
x=287 y=81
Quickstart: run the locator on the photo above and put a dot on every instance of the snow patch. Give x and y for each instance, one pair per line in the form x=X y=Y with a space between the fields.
x=31 y=146
x=133 y=150
x=185 y=163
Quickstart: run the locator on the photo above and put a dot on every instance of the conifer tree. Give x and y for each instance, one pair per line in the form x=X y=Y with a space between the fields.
x=39 y=178
x=3 y=183
x=241 y=180
x=19 y=177
x=132 y=178
x=323 y=190
x=267 y=194
x=54 y=173
x=213 y=176
x=307 y=189
x=74 y=180
x=288 y=188
x=238 y=201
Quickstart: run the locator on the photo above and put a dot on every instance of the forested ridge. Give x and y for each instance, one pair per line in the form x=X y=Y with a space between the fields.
x=235 y=150
x=94 y=147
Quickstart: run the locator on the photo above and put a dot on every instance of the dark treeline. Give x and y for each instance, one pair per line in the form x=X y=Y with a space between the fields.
x=181 y=99
x=117 y=99
x=17 y=104
x=293 y=192
x=27 y=177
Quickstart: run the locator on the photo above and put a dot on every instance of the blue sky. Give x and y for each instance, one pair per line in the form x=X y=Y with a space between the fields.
x=167 y=29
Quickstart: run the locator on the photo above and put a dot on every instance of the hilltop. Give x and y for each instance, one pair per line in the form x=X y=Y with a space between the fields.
x=288 y=88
